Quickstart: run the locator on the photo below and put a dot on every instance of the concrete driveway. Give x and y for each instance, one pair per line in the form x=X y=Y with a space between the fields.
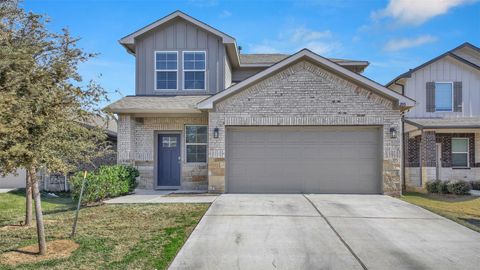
x=325 y=232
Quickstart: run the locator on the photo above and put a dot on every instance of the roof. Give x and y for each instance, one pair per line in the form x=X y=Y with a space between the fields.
x=441 y=123
x=324 y=62
x=270 y=59
x=156 y=104
x=108 y=123
x=450 y=53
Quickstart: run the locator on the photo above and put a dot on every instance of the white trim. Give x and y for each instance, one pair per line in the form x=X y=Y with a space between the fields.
x=186 y=144
x=468 y=152
x=155 y=71
x=305 y=53
x=186 y=70
x=435 y=89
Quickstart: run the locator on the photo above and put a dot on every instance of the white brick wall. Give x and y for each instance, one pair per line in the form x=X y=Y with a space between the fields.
x=305 y=94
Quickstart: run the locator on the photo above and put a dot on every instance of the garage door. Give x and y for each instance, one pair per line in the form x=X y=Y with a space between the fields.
x=303 y=160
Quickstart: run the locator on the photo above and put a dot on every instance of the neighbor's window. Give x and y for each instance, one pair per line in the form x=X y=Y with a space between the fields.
x=166 y=70
x=196 y=143
x=194 y=70
x=444 y=97
x=460 y=152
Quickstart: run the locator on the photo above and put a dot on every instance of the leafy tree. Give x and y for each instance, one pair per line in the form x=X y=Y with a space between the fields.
x=45 y=107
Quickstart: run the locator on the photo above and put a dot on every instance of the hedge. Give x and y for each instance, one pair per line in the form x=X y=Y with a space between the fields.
x=106 y=182
x=449 y=187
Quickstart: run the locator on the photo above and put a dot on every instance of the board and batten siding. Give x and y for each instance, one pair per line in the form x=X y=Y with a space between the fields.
x=179 y=35
x=444 y=70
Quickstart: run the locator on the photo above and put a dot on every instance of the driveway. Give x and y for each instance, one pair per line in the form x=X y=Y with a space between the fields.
x=325 y=232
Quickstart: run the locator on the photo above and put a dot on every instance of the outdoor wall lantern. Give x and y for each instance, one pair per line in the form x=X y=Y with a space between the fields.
x=393 y=133
x=215 y=133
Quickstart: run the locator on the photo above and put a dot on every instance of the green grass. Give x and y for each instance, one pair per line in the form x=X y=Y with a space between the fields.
x=464 y=210
x=12 y=206
x=110 y=236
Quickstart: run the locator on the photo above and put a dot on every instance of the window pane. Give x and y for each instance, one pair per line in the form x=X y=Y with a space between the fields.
x=200 y=65
x=167 y=80
x=166 y=61
x=200 y=56
x=443 y=96
x=196 y=134
x=194 y=80
x=196 y=153
x=171 y=65
x=188 y=56
x=459 y=160
x=459 y=145
x=172 y=56
x=161 y=85
x=189 y=65
x=161 y=65
x=161 y=56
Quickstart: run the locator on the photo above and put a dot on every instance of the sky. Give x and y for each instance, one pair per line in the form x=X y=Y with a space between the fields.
x=393 y=35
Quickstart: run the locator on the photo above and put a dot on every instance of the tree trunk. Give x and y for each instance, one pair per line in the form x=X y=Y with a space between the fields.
x=28 y=200
x=42 y=245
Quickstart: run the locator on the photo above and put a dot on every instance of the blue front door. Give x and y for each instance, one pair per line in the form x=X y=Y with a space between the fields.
x=168 y=160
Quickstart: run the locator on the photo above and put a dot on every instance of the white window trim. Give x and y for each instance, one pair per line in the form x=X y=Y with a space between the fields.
x=185 y=70
x=453 y=102
x=186 y=144
x=468 y=154
x=155 y=71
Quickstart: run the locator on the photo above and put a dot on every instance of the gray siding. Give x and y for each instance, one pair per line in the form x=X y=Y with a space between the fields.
x=243 y=73
x=180 y=36
x=445 y=70
x=228 y=72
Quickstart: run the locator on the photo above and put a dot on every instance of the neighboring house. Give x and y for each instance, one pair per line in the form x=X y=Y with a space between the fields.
x=58 y=182
x=206 y=116
x=442 y=132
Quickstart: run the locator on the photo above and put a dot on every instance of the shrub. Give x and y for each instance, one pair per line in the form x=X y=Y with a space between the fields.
x=432 y=186
x=442 y=187
x=475 y=185
x=459 y=187
x=106 y=182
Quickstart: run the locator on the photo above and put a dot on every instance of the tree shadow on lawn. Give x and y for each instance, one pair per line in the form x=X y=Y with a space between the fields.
x=445 y=197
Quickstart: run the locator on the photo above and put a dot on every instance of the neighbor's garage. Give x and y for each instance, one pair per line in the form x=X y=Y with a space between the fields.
x=303 y=160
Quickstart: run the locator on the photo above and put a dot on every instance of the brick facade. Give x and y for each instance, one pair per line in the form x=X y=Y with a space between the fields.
x=307 y=95
x=136 y=146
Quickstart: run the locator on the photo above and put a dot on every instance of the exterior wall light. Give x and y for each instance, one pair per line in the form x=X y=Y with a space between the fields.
x=393 y=133
x=216 y=131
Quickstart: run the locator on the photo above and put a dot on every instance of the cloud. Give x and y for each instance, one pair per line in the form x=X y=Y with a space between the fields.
x=225 y=13
x=394 y=45
x=296 y=39
x=416 y=12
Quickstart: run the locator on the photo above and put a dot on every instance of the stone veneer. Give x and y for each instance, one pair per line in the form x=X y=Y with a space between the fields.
x=136 y=146
x=304 y=94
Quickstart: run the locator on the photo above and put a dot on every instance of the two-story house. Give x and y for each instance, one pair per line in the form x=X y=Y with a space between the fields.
x=206 y=116
x=442 y=132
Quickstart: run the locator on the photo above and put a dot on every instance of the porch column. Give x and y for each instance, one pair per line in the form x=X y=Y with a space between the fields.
x=428 y=157
x=126 y=139
x=477 y=149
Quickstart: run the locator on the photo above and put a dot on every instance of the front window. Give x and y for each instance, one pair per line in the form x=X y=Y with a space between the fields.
x=194 y=70
x=444 y=97
x=196 y=143
x=460 y=152
x=166 y=70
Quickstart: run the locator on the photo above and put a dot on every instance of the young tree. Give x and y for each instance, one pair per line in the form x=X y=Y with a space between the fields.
x=43 y=106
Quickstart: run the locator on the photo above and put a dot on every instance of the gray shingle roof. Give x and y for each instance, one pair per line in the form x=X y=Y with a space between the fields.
x=262 y=58
x=470 y=122
x=156 y=104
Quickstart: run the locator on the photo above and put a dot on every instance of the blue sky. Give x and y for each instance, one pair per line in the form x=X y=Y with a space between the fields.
x=393 y=35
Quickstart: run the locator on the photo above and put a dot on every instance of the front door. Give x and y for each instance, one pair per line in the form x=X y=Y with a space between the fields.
x=169 y=161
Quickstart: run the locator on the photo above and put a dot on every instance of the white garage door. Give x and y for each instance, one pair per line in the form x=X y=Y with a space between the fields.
x=303 y=160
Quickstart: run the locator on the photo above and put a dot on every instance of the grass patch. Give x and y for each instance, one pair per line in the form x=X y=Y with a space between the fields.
x=464 y=210
x=144 y=236
x=12 y=206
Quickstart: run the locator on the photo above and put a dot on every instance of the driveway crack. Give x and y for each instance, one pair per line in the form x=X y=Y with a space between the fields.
x=336 y=233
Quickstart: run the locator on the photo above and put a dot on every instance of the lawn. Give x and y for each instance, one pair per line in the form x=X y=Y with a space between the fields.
x=110 y=236
x=461 y=209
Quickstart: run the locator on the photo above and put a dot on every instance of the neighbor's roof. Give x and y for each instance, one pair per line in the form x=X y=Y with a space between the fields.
x=450 y=53
x=443 y=123
x=325 y=63
x=273 y=58
x=156 y=104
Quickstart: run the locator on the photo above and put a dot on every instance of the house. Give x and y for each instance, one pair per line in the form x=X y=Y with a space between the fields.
x=206 y=116
x=442 y=132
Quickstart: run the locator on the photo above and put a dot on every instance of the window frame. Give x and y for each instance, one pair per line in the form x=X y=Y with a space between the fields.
x=452 y=94
x=467 y=152
x=187 y=144
x=155 y=71
x=190 y=70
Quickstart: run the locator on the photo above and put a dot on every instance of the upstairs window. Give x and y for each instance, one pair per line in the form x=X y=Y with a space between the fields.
x=166 y=69
x=194 y=70
x=460 y=152
x=443 y=96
